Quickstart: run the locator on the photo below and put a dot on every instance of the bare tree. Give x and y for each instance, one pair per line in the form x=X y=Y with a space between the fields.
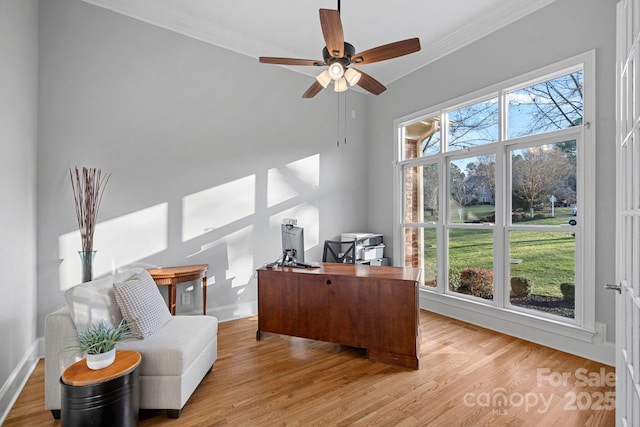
x=457 y=184
x=538 y=173
x=431 y=179
x=474 y=124
x=468 y=126
x=551 y=105
x=483 y=174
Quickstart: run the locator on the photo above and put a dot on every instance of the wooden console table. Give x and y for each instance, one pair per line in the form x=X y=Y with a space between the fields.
x=171 y=276
x=371 y=307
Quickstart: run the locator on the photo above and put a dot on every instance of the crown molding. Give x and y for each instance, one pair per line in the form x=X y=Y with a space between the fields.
x=156 y=13
x=506 y=14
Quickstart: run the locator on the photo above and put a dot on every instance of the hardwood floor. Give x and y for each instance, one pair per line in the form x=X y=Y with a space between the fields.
x=468 y=376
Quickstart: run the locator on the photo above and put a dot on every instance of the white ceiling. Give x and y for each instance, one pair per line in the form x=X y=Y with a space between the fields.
x=291 y=28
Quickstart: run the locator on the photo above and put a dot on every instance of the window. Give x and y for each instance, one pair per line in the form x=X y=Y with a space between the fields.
x=472 y=125
x=546 y=106
x=494 y=198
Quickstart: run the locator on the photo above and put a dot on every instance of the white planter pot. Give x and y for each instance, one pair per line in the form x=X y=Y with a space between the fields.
x=102 y=360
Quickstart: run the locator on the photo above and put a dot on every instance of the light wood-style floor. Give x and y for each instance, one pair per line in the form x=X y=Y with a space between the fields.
x=468 y=376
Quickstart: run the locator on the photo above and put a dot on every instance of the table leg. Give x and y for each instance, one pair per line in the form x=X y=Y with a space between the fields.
x=172 y=298
x=204 y=295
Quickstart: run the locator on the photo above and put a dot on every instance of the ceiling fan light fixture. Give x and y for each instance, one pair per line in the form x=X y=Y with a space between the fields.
x=352 y=76
x=338 y=55
x=340 y=85
x=324 y=79
x=336 y=70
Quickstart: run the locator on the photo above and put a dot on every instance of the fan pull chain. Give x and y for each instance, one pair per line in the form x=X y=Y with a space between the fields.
x=345 y=118
x=338 y=123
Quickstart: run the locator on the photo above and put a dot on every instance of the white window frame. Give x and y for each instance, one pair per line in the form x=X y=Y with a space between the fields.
x=526 y=323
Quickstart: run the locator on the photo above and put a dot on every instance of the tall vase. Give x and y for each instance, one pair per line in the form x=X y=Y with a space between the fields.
x=86 y=259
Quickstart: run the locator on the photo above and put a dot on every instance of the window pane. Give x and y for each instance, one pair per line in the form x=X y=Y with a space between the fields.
x=420 y=251
x=547 y=106
x=472 y=186
x=542 y=271
x=422 y=138
x=473 y=125
x=471 y=262
x=543 y=184
x=454 y=153
x=421 y=193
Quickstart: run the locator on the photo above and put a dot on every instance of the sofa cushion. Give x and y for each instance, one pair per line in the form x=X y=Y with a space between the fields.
x=94 y=302
x=175 y=346
x=141 y=304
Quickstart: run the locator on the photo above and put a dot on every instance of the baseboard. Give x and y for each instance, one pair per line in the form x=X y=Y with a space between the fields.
x=228 y=312
x=514 y=324
x=18 y=378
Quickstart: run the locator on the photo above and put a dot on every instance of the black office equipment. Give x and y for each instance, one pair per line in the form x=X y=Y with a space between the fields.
x=339 y=251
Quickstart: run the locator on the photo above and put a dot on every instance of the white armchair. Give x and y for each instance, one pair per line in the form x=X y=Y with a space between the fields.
x=176 y=355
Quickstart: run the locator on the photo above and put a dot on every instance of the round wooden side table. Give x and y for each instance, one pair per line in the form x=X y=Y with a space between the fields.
x=104 y=397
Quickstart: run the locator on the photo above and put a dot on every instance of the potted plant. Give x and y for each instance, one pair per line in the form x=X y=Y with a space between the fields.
x=98 y=343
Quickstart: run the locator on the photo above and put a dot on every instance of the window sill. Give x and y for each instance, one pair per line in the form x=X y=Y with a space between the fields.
x=512 y=322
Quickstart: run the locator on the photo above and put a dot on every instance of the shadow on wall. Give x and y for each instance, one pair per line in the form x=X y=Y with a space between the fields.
x=225 y=226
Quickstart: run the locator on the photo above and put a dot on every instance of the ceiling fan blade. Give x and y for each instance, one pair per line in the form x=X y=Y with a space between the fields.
x=313 y=90
x=290 y=61
x=332 y=32
x=387 y=51
x=370 y=84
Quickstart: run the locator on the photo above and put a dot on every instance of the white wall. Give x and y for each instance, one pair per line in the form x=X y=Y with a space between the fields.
x=172 y=117
x=18 y=138
x=559 y=31
x=208 y=151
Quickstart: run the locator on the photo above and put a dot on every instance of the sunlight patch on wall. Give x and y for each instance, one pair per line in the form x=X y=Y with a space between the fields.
x=239 y=256
x=119 y=242
x=292 y=180
x=308 y=217
x=217 y=206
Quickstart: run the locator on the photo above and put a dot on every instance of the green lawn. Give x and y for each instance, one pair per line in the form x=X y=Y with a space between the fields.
x=547 y=258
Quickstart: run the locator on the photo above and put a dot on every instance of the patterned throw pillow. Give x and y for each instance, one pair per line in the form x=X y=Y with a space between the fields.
x=141 y=304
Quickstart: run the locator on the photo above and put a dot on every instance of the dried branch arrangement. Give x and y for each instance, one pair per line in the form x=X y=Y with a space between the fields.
x=88 y=186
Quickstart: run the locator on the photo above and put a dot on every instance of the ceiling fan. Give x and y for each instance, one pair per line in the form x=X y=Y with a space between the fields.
x=338 y=55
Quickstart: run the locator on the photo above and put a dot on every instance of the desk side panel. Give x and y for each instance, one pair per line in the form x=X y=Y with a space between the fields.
x=389 y=309
x=277 y=303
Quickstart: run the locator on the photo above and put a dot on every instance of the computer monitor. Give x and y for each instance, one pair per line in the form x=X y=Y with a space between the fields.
x=292 y=243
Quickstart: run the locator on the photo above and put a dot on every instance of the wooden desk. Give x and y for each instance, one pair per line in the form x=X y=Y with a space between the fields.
x=104 y=397
x=371 y=307
x=171 y=276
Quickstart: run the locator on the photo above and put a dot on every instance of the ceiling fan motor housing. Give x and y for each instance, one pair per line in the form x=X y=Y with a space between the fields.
x=345 y=60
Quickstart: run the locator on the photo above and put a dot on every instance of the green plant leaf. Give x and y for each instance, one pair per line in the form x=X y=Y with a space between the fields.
x=100 y=338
